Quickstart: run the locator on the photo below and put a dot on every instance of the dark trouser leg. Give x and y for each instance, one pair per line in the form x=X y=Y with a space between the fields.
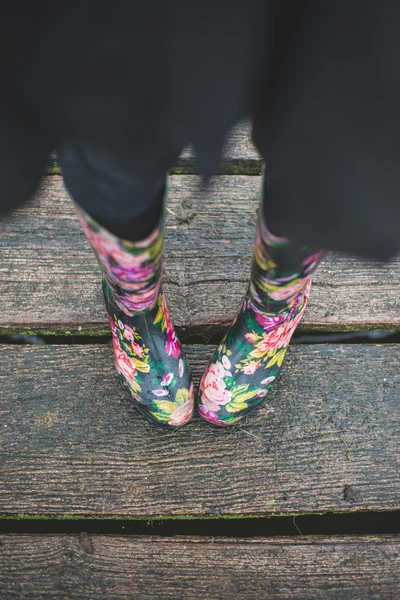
x=126 y=197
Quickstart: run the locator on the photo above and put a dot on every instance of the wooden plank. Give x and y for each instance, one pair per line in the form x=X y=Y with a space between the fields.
x=328 y=439
x=50 y=279
x=239 y=155
x=94 y=567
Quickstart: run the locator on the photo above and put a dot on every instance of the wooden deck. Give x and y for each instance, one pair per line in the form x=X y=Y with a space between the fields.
x=74 y=452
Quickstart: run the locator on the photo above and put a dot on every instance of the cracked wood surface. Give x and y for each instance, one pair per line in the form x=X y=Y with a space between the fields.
x=50 y=279
x=327 y=439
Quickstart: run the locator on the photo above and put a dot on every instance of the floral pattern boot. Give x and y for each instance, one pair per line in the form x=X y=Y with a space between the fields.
x=248 y=361
x=148 y=356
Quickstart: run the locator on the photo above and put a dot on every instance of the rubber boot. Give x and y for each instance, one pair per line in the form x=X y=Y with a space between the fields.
x=148 y=355
x=249 y=359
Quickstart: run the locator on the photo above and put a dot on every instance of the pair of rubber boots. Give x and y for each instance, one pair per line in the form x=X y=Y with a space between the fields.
x=148 y=355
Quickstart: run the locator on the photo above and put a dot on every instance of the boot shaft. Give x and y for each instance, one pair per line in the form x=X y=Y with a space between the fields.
x=132 y=270
x=280 y=271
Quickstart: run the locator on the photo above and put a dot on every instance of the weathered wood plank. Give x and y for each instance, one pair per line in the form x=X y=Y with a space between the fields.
x=95 y=567
x=239 y=155
x=50 y=279
x=327 y=440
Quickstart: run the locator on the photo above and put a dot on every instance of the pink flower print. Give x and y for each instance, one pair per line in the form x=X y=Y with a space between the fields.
x=213 y=388
x=120 y=325
x=125 y=259
x=132 y=303
x=129 y=334
x=287 y=293
x=181 y=367
x=252 y=337
x=133 y=286
x=167 y=318
x=302 y=297
x=133 y=273
x=136 y=348
x=260 y=394
x=210 y=416
x=269 y=322
x=226 y=363
x=161 y=392
x=311 y=261
x=217 y=369
x=120 y=301
x=103 y=243
x=182 y=414
x=172 y=345
x=279 y=338
x=267 y=380
x=262 y=346
x=166 y=380
x=251 y=368
x=124 y=364
x=292 y=325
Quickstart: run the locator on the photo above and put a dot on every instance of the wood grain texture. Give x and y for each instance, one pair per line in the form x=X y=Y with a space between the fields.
x=50 y=280
x=328 y=439
x=149 y=568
